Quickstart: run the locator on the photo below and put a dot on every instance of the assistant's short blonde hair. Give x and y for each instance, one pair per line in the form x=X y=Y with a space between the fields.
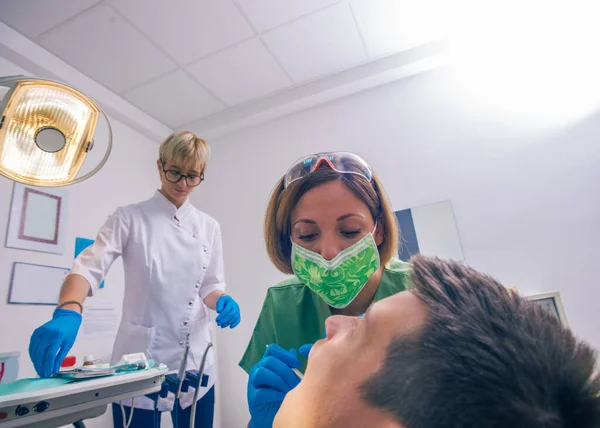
x=184 y=148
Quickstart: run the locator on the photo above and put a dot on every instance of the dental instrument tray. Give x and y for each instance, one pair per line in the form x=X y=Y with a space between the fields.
x=85 y=373
x=93 y=372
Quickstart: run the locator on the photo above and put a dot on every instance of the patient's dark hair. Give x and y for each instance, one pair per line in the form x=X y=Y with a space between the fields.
x=485 y=358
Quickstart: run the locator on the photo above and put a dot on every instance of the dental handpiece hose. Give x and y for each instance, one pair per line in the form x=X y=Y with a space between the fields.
x=181 y=376
x=183 y=366
x=200 y=374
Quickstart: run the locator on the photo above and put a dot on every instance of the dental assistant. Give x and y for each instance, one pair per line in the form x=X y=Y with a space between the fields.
x=173 y=262
x=331 y=225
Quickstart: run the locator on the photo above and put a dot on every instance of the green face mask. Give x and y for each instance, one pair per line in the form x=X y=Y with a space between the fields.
x=339 y=280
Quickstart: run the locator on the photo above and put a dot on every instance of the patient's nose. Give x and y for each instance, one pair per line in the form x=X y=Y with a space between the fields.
x=336 y=324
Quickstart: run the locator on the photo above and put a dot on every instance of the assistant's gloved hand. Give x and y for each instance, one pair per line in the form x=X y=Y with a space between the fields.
x=51 y=342
x=229 y=312
x=270 y=380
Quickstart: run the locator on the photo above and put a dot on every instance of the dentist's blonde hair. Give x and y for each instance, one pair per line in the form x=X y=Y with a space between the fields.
x=185 y=149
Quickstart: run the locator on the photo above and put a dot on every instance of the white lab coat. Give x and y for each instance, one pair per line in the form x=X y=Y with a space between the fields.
x=172 y=259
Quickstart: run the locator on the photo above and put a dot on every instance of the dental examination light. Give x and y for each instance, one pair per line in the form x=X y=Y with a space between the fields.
x=47 y=133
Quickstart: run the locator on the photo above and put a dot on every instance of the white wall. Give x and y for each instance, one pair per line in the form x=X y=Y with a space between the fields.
x=129 y=176
x=526 y=196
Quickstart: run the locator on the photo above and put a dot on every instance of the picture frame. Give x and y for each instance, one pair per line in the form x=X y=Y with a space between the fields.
x=38 y=219
x=552 y=302
x=36 y=284
x=430 y=230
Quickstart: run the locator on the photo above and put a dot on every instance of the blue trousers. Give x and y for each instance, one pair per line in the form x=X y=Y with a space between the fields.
x=205 y=410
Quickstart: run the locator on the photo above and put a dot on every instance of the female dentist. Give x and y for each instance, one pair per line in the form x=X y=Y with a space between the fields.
x=330 y=224
x=173 y=262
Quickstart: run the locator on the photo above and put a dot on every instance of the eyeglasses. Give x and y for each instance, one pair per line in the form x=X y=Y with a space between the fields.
x=175 y=176
x=342 y=162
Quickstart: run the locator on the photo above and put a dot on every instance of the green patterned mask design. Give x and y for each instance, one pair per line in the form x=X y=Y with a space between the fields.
x=339 y=280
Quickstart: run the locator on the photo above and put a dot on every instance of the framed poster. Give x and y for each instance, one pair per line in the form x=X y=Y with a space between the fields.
x=429 y=230
x=33 y=284
x=551 y=302
x=37 y=219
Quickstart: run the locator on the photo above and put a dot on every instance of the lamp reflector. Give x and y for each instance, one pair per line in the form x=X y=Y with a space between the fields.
x=46 y=132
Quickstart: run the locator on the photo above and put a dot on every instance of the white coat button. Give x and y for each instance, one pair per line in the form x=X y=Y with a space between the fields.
x=206 y=249
x=190 y=303
x=197 y=285
x=204 y=267
x=181 y=343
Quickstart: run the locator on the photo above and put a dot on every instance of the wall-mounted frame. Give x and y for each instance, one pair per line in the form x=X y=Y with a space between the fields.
x=552 y=302
x=33 y=284
x=429 y=230
x=37 y=219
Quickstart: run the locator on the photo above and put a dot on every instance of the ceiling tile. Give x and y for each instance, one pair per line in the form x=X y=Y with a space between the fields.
x=33 y=17
x=321 y=43
x=266 y=14
x=187 y=29
x=389 y=26
x=174 y=99
x=104 y=46
x=240 y=73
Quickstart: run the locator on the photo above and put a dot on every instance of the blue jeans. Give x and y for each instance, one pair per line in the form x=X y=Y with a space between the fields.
x=205 y=410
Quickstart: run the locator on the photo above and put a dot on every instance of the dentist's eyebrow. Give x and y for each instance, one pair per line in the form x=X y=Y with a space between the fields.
x=345 y=216
x=304 y=220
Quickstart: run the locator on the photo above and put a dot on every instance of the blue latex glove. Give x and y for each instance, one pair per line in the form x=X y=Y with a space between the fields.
x=304 y=350
x=50 y=343
x=229 y=312
x=270 y=380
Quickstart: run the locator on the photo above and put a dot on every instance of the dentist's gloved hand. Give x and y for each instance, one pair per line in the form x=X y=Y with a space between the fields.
x=270 y=380
x=51 y=342
x=304 y=350
x=229 y=312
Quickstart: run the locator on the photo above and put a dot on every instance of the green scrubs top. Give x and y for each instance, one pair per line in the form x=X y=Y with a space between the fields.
x=292 y=315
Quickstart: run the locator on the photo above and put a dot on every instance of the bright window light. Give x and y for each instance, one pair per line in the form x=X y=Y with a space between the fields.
x=532 y=57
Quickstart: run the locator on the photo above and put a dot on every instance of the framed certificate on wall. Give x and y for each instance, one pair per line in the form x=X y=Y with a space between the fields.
x=37 y=219
x=552 y=303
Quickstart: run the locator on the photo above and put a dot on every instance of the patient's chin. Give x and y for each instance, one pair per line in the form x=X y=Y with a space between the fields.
x=294 y=411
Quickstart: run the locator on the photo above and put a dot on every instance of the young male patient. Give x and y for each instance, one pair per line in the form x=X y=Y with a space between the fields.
x=457 y=351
